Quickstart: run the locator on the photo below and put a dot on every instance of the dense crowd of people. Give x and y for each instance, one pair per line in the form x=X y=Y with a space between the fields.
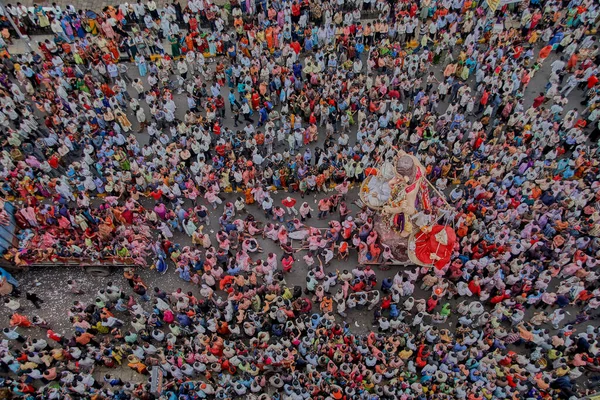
x=298 y=79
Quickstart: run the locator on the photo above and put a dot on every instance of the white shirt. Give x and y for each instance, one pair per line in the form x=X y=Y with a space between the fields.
x=557 y=65
x=139 y=10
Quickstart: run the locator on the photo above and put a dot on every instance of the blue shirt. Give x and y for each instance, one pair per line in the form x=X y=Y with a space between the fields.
x=568 y=173
x=419 y=96
x=263 y=114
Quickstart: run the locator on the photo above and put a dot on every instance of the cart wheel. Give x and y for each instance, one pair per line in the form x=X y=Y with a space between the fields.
x=100 y=272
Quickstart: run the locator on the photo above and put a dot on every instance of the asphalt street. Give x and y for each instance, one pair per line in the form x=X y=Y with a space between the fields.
x=50 y=283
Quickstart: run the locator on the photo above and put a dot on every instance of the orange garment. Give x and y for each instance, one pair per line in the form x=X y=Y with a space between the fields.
x=249 y=196
x=320 y=180
x=327 y=305
x=189 y=42
x=139 y=367
x=545 y=52
x=84 y=338
x=244 y=46
x=269 y=37
x=112 y=47
x=260 y=138
x=572 y=62
x=375 y=251
x=66 y=48
x=343 y=247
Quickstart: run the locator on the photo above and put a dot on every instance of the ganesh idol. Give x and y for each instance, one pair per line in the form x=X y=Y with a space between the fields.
x=396 y=191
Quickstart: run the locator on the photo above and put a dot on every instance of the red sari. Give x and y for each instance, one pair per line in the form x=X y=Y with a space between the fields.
x=255 y=101
x=114 y=50
x=287 y=263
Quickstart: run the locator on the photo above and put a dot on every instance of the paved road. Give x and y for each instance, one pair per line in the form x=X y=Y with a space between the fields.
x=50 y=283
